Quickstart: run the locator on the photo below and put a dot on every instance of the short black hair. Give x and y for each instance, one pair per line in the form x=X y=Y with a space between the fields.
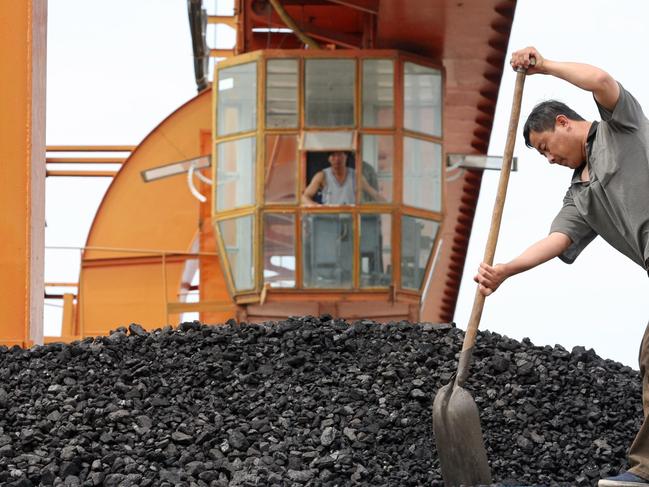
x=544 y=116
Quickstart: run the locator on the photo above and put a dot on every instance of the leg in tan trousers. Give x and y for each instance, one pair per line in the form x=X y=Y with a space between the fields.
x=639 y=452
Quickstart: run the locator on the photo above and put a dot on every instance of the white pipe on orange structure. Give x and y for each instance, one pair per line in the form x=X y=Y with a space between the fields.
x=192 y=188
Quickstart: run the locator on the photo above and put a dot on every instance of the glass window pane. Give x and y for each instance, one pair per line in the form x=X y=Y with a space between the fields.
x=281 y=169
x=378 y=154
x=235 y=174
x=237 y=99
x=327 y=247
x=334 y=140
x=422 y=174
x=422 y=97
x=378 y=93
x=281 y=93
x=279 y=249
x=329 y=92
x=237 y=234
x=376 y=250
x=417 y=239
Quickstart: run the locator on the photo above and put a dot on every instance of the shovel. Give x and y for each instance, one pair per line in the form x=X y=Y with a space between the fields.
x=456 y=422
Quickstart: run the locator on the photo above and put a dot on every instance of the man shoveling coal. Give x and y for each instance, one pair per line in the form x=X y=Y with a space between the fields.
x=608 y=196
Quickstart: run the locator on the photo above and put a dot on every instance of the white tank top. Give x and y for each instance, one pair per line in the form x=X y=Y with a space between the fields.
x=335 y=193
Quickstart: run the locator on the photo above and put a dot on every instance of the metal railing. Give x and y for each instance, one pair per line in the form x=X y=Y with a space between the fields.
x=73 y=319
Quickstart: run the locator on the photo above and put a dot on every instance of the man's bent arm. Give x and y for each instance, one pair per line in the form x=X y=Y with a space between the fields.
x=489 y=278
x=590 y=78
x=311 y=190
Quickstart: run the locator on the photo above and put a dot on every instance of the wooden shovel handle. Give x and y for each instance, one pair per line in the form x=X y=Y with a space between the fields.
x=478 y=303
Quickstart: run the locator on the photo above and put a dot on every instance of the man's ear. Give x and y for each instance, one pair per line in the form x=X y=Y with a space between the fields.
x=562 y=121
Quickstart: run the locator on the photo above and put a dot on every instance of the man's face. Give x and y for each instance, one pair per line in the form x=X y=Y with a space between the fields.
x=337 y=159
x=561 y=145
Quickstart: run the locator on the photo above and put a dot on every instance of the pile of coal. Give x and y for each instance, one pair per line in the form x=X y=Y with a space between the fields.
x=306 y=401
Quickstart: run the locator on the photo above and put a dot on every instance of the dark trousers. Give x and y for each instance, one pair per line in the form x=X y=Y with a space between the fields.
x=639 y=452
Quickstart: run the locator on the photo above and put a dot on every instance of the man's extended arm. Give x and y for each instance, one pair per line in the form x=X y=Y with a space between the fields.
x=490 y=277
x=590 y=78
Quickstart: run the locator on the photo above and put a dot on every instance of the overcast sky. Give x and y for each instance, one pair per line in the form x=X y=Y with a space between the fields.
x=601 y=300
x=116 y=69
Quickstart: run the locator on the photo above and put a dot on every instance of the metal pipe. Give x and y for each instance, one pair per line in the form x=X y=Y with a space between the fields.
x=197 y=27
x=290 y=23
x=192 y=188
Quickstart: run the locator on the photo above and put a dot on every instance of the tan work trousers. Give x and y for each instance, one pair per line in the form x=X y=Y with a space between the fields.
x=639 y=452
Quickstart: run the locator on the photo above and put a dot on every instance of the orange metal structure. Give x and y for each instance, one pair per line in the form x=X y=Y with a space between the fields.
x=148 y=239
x=22 y=185
x=142 y=237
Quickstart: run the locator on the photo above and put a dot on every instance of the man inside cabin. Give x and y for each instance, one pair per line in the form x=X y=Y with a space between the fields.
x=608 y=196
x=337 y=183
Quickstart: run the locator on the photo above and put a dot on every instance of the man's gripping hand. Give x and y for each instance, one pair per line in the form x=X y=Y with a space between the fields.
x=523 y=59
x=490 y=277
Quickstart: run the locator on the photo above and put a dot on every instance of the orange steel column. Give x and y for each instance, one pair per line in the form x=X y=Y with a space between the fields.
x=22 y=170
x=213 y=287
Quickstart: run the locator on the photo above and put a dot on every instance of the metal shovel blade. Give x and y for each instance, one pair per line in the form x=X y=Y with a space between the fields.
x=458 y=436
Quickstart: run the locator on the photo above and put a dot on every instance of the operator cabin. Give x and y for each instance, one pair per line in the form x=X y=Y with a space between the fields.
x=328 y=174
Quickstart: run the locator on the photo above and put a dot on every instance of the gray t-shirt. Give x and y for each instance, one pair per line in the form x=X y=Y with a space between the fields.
x=615 y=202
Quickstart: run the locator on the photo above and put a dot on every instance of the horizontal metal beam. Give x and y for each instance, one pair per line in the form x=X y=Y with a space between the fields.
x=85 y=160
x=369 y=6
x=201 y=306
x=221 y=52
x=81 y=174
x=132 y=250
x=90 y=148
x=228 y=20
x=353 y=41
x=477 y=161
x=175 y=168
x=58 y=296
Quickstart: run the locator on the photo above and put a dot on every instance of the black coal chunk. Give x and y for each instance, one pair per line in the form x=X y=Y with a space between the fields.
x=304 y=401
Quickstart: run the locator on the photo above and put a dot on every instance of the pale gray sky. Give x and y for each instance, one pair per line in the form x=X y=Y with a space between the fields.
x=116 y=69
x=601 y=300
